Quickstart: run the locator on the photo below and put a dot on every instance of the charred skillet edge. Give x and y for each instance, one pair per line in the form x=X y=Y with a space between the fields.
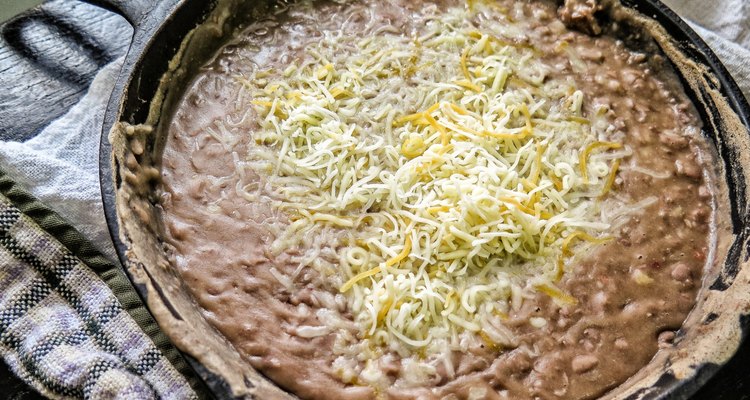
x=136 y=122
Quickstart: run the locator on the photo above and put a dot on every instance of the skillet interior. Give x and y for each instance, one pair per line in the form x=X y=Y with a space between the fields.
x=161 y=64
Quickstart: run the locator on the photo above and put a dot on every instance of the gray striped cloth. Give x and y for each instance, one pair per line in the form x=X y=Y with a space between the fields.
x=62 y=328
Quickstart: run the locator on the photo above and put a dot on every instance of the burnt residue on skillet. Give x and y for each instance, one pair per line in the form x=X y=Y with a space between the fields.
x=137 y=144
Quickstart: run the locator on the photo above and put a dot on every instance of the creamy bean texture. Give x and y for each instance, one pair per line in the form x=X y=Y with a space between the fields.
x=428 y=199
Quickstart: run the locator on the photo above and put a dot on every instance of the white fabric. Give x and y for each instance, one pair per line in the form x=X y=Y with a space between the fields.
x=60 y=165
x=729 y=19
x=725 y=26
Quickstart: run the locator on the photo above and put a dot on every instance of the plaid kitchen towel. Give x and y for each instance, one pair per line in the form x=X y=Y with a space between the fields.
x=68 y=331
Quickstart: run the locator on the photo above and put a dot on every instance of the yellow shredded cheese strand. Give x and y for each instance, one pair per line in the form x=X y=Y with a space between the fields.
x=469 y=85
x=611 y=178
x=557 y=295
x=585 y=155
x=580 y=235
x=401 y=256
x=408 y=118
x=464 y=68
x=362 y=275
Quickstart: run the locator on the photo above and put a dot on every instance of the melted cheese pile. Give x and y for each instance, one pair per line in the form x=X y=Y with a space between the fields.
x=449 y=173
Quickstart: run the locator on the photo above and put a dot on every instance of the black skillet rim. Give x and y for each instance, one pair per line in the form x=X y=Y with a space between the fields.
x=686 y=38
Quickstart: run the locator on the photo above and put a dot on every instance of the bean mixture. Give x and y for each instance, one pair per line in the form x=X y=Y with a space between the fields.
x=632 y=292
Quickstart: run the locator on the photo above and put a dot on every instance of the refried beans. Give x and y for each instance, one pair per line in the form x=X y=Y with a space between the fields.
x=632 y=290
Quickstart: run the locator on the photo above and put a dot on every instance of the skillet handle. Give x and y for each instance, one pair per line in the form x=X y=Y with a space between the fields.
x=134 y=11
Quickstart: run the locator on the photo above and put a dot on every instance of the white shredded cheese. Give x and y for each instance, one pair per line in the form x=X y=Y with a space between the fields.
x=448 y=172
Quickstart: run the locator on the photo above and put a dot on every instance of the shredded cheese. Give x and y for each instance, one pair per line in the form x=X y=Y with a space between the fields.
x=451 y=191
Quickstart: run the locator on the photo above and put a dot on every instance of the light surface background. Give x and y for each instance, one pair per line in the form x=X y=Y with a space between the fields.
x=9 y=8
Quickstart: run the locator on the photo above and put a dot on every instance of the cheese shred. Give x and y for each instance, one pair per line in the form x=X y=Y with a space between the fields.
x=445 y=194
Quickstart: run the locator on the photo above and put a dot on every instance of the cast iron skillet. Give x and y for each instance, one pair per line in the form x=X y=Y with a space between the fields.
x=160 y=27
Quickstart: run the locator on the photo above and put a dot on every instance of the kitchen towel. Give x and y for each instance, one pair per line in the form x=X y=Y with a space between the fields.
x=62 y=327
x=60 y=167
x=725 y=26
x=71 y=324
